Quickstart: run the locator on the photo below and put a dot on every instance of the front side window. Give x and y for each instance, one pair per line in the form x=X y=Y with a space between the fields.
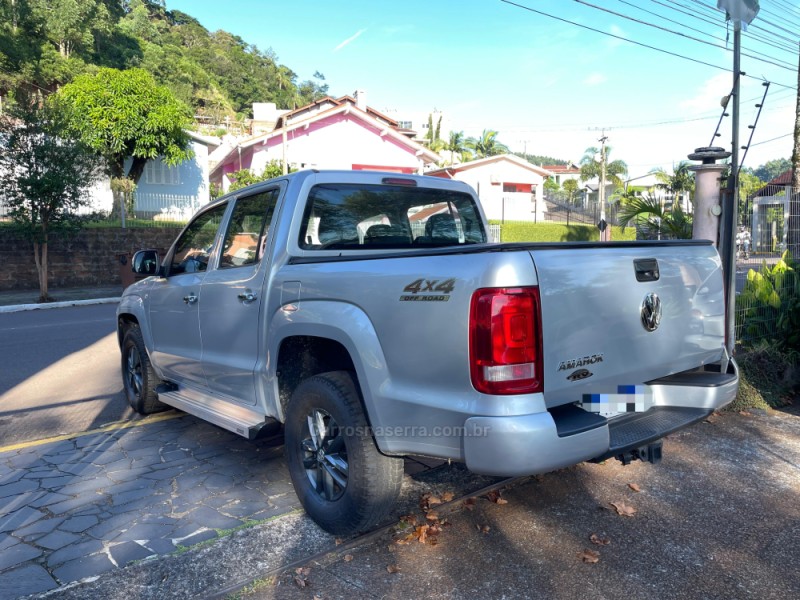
x=365 y=217
x=247 y=232
x=194 y=247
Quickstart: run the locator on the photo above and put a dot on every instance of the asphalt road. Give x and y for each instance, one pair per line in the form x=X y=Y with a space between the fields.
x=60 y=372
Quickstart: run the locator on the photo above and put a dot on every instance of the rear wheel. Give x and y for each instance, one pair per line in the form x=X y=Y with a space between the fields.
x=344 y=483
x=138 y=376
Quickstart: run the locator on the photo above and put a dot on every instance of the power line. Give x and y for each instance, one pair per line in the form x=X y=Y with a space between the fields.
x=780 y=137
x=713 y=19
x=678 y=33
x=655 y=14
x=619 y=37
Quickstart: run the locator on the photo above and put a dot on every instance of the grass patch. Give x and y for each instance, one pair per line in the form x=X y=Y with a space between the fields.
x=525 y=231
x=768 y=378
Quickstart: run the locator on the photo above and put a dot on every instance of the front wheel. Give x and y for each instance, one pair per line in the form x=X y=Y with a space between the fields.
x=138 y=376
x=344 y=483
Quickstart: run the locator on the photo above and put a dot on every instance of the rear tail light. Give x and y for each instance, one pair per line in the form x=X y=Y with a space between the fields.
x=505 y=343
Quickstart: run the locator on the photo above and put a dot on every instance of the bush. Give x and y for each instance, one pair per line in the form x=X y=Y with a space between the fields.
x=768 y=377
x=525 y=231
x=769 y=305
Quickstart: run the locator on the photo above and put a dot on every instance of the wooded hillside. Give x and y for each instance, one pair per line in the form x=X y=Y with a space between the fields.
x=47 y=43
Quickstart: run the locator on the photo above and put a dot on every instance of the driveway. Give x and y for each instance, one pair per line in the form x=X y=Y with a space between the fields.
x=718 y=518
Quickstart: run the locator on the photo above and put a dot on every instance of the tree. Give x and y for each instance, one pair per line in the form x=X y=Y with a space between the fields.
x=551 y=186
x=652 y=219
x=45 y=179
x=245 y=177
x=486 y=145
x=771 y=169
x=749 y=184
x=125 y=114
x=433 y=135
x=456 y=145
x=571 y=188
x=679 y=183
x=591 y=166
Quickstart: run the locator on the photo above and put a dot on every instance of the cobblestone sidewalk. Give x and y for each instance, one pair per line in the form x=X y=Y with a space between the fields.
x=77 y=508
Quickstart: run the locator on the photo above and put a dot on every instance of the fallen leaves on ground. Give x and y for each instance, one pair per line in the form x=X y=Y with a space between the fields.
x=301 y=576
x=494 y=496
x=600 y=541
x=589 y=556
x=348 y=557
x=623 y=509
x=447 y=497
x=337 y=541
x=634 y=487
x=469 y=503
x=428 y=500
x=483 y=528
x=393 y=569
x=745 y=413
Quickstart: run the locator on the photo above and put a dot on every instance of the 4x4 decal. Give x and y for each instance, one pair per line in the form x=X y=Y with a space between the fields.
x=428 y=290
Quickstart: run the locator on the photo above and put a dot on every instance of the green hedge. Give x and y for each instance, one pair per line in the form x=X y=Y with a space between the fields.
x=523 y=231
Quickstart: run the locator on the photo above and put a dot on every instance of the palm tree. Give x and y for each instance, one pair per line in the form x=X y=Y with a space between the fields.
x=652 y=219
x=486 y=145
x=591 y=168
x=679 y=183
x=456 y=145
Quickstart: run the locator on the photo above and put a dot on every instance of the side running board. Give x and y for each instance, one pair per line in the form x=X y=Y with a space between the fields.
x=233 y=417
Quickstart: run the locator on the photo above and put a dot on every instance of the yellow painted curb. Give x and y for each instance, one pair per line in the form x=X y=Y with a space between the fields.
x=165 y=416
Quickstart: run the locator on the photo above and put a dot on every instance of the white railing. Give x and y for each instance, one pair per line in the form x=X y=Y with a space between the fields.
x=166 y=207
x=494 y=233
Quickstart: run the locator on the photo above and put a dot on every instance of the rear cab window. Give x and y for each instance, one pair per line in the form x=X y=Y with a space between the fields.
x=346 y=216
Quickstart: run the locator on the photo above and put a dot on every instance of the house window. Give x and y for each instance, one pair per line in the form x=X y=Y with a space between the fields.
x=514 y=188
x=157 y=173
x=404 y=124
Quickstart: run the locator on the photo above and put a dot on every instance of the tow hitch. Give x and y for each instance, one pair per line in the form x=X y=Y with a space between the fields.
x=650 y=453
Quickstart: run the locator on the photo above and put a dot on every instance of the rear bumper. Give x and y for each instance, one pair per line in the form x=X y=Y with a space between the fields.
x=531 y=444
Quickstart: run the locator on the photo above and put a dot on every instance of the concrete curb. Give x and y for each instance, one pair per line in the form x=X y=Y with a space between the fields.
x=65 y=303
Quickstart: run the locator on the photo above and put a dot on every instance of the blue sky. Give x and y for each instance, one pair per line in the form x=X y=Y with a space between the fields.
x=545 y=85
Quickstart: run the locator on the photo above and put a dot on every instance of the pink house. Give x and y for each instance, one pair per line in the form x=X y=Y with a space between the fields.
x=329 y=134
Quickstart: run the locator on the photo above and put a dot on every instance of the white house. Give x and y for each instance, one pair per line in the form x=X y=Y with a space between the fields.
x=171 y=193
x=510 y=188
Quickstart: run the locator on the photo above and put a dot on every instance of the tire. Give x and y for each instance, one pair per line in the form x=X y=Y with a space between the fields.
x=343 y=482
x=138 y=376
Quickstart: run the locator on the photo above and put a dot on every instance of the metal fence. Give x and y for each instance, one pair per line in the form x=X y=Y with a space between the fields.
x=559 y=209
x=143 y=209
x=767 y=286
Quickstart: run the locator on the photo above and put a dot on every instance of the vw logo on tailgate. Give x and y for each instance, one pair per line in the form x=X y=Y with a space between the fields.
x=651 y=312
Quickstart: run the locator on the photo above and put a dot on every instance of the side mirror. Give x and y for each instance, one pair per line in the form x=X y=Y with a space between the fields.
x=145 y=262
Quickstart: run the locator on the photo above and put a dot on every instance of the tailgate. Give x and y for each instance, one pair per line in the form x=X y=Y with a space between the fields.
x=600 y=314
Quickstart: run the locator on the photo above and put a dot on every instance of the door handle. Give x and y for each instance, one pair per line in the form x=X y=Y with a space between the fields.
x=190 y=299
x=247 y=297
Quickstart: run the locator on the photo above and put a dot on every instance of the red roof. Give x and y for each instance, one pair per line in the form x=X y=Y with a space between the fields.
x=784 y=178
x=562 y=168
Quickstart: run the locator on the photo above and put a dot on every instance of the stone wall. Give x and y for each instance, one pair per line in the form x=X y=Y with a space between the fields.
x=90 y=258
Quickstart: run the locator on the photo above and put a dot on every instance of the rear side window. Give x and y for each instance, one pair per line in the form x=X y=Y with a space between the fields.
x=247 y=230
x=362 y=217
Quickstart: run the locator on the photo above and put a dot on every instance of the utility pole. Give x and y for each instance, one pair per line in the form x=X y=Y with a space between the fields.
x=601 y=193
x=730 y=207
x=794 y=203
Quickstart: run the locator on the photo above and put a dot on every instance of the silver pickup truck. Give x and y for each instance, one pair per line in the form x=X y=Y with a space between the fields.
x=369 y=315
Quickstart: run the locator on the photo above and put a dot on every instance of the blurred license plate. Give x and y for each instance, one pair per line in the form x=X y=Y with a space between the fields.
x=629 y=398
